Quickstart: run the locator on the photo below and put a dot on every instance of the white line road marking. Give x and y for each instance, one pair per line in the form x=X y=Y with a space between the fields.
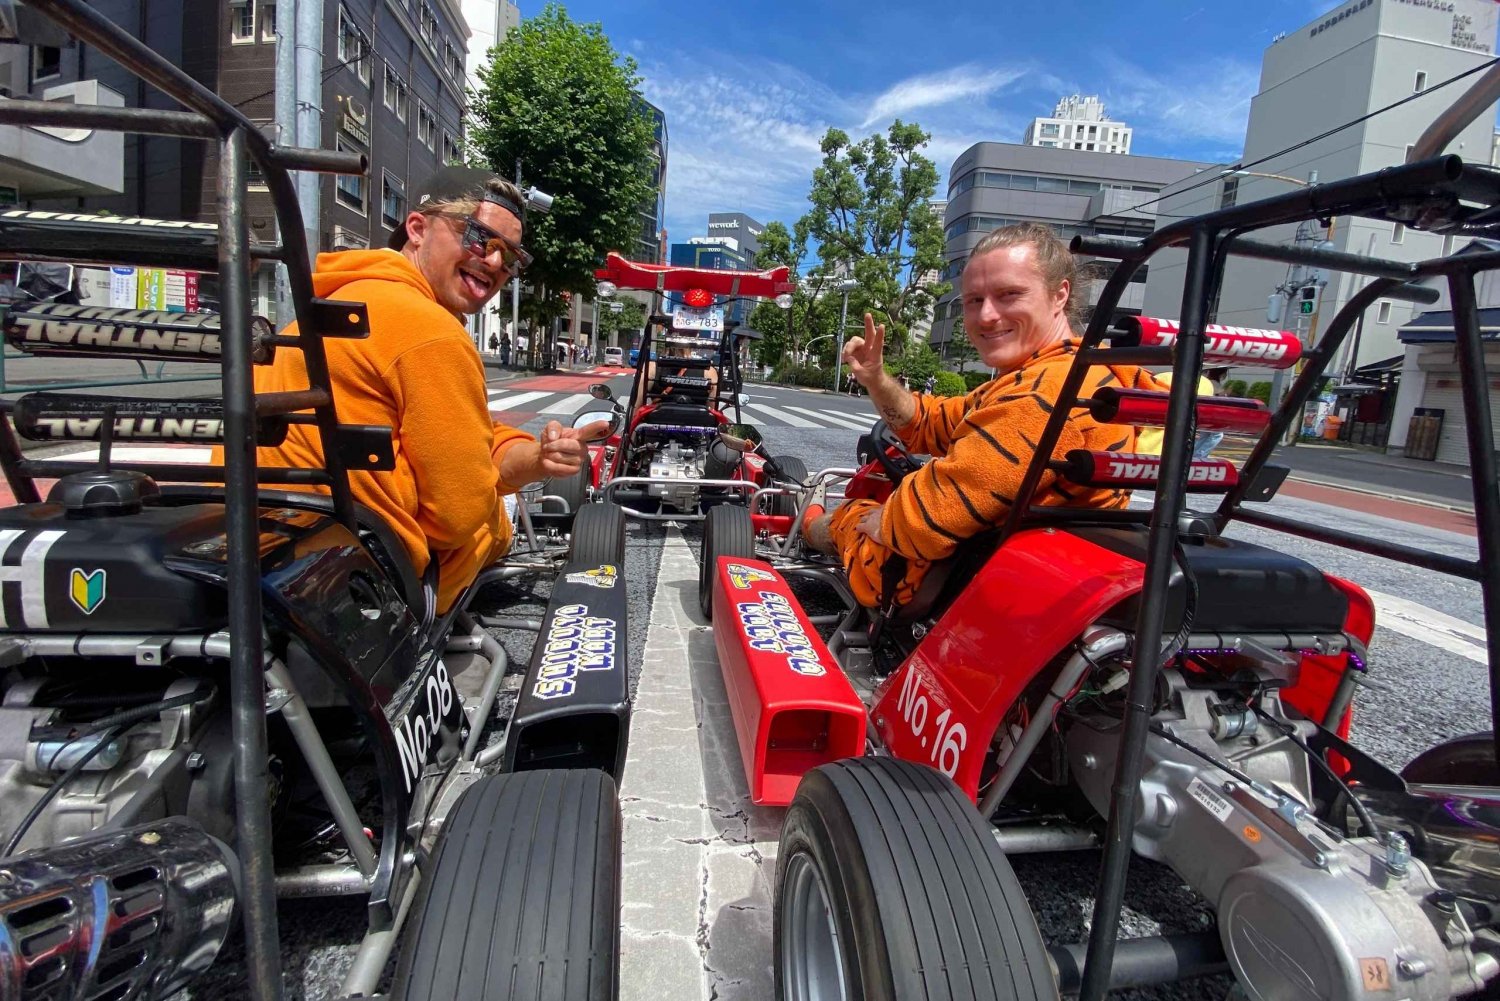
x=840 y=418
x=501 y=401
x=1428 y=625
x=568 y=404
x=782 y=415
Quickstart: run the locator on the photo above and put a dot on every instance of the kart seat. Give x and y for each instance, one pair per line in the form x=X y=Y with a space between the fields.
x=388 y=549
x=1242 y=587
x=685 y=414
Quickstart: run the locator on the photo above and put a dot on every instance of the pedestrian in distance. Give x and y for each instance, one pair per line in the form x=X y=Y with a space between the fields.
x=505 y=350
x=931 y=383
x=494 y=344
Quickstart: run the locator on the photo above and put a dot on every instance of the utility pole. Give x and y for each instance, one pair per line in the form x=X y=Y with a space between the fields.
x=286 y=126
x=515 y=293
x=309 y=70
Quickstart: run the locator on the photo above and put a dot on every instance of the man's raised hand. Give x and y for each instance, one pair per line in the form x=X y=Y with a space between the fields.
x=865 y=356
x=565 y=450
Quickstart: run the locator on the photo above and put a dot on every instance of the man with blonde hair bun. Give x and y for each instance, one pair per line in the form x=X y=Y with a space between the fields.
x=419 y=373
x=1020 y=313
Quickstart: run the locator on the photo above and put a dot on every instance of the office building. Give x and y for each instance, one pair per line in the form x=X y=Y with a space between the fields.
x=1359 y=57
x=719 y=253
x=1074 y=191
x=393 y=77
x=743 y=231
x=652 y=239
x=1079 y=122
x=489 y=21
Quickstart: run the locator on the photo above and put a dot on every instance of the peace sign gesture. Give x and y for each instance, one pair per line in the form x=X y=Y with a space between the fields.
x=865 y=355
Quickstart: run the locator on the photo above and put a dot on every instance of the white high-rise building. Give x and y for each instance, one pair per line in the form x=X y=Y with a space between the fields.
x=489 y=20
x=1356 y=59
x=1079 y=122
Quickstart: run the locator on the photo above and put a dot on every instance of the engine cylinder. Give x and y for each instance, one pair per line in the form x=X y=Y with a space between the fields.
x=138 y=912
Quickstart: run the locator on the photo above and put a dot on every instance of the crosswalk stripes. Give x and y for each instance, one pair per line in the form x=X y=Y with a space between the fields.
x=839 y=419
x=570 y=404
x=791 y=419
x=499 y=401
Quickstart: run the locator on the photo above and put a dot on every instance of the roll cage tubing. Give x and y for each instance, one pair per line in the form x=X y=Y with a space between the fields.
x=1431 y=195
x=663 y=278
x=208 y=117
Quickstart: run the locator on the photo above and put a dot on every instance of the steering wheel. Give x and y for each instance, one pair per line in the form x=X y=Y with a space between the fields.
x=883 y=446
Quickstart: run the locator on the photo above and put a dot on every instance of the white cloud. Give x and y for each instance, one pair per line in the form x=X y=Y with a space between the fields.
x=937 y=89
x=1203 y=114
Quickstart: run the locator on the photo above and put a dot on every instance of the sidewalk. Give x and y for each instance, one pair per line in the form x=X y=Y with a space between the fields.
x=1435 y=484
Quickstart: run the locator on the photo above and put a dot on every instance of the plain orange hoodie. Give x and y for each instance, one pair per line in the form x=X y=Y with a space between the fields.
x=419 y=374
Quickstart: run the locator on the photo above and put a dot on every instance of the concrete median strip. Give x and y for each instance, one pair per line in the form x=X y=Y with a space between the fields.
x=699 y=857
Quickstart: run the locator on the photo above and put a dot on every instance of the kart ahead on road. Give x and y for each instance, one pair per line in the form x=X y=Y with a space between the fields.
x=664 y=461
x=218 y=693
x=1129 y=679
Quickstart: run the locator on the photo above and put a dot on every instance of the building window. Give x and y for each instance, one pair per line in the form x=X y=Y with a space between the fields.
x=451 y=152
x=46 y=62
x=1049 y=130
x=1048 y=142
x=1231 y=192
x=392 y=201
x=395 y=93
x=241 y=21
x=267 y=21
x=1421 y=82
x=1383 y=312
x=428 y=22
x=354 y=45
x=1398 y=233
x=426 y=125
x=350 y=188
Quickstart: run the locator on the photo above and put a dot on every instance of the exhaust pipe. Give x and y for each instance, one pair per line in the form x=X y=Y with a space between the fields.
x=130 y=913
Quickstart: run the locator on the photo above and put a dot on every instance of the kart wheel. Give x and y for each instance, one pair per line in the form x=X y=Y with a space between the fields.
x=727 y=531
x=523 y=898
x=793 y=470
x=598 y=535
x=1468 y=760
x=573 y=489
x=889 y=884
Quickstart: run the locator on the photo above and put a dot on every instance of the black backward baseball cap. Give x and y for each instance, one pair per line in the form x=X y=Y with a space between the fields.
x=448 y=184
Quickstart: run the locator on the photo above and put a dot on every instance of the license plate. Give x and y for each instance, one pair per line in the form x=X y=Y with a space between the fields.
x=693 y=318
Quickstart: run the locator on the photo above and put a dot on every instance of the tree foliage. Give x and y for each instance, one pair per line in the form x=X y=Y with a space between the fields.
x=871 y=214
x=631 y=317
x=811 y=325
x=959 y=351
x=557 y=96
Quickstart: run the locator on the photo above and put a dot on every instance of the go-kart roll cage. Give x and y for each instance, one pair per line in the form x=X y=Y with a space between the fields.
x=227 y=251
x=1443 y=195
x=664 y=278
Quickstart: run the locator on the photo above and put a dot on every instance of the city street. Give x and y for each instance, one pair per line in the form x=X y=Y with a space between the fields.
x=700 y=857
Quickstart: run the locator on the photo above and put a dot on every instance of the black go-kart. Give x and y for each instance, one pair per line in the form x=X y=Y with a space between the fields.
x=217 y=692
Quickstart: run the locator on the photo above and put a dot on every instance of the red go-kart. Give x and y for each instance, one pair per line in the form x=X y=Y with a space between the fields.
x=1128 y=679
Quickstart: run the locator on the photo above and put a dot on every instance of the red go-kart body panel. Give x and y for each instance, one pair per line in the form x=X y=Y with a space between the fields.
x=793 y=707
x=1035 y=595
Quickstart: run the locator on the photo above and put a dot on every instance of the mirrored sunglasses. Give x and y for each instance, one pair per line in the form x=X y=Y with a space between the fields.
x=481 y=241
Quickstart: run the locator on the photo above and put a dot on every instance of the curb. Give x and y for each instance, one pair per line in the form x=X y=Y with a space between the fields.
x=1368 y=492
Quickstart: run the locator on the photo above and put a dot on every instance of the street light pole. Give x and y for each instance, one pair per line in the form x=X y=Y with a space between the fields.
x=846 y=286
x=515 y=290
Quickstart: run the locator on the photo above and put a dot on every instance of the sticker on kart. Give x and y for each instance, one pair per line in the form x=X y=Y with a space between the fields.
x=576 y=641
x=434 y=707
x=771 y=626
x=604 y=575
x=742 y=577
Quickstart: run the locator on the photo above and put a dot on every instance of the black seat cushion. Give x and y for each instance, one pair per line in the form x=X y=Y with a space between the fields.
x=389 y=551
x=1242 y=587
x=680 y=413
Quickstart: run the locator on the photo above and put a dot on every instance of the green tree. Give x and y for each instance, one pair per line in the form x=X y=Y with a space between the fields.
x=632 y=316
x=872 y=215
x=811 y=324
x=557 y=98
x=959 y=350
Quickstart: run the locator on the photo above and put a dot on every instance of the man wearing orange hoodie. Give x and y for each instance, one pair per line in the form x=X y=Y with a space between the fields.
x=419 y=373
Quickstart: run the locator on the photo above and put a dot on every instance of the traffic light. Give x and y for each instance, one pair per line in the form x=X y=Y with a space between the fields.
x=1307 y=297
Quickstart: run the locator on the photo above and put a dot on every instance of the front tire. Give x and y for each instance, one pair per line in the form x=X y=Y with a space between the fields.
x=599 y=536
x=727 y=531
x=524 y=895
x=572 y=489
x=890 y=886
x=792 y=471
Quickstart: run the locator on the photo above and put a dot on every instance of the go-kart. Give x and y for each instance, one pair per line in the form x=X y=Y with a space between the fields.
x=1134 y=680
x=666 y=462
x=217 y=693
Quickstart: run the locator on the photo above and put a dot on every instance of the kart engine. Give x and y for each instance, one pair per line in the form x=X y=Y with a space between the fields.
x=674 y=461
x=1302 y=910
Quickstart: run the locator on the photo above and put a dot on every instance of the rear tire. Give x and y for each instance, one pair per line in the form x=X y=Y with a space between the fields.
x=599 y=536
x=727 y=531
x=523 y=898
x=1467 y=760
x=573 y=489
x=793 y=470
x=889 y=885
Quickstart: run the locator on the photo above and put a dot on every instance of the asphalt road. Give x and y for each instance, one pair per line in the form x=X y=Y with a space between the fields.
x=1436 y=689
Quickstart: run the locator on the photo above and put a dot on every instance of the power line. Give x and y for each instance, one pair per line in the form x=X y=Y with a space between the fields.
x=1323 y=135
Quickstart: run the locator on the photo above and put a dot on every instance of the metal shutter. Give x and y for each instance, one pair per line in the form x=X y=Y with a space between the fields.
x=1441 y=392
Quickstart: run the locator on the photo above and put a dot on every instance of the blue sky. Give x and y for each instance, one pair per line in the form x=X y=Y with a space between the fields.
x=750 y=87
